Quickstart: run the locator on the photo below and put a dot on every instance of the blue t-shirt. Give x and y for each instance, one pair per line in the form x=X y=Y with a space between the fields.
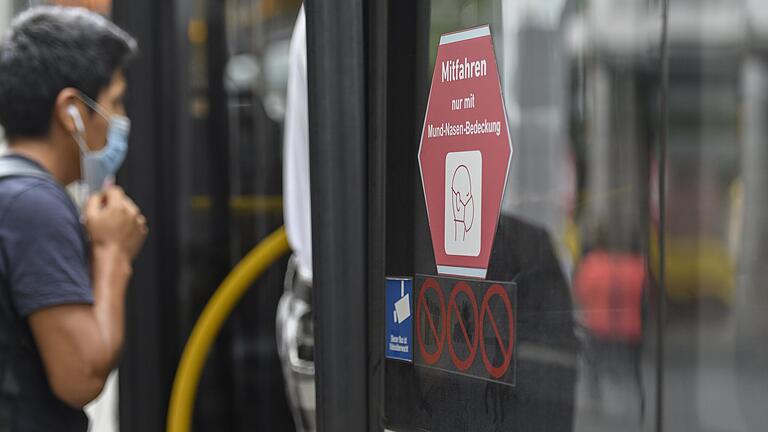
x=43 y=263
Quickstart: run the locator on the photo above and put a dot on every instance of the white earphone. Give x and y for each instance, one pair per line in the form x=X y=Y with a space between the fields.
x=75 y=114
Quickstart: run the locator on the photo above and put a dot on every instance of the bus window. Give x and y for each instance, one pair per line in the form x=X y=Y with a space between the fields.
x=581 y=82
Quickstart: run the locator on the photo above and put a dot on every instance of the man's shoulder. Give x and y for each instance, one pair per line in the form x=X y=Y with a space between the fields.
x=42 y=246
x=34 y=200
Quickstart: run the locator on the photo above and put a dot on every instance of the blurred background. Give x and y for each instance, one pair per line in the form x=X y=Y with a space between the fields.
x=205 y=162
x=640 y=130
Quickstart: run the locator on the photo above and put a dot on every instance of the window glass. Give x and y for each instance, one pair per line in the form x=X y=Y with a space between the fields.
x=716 y=257
x=232 y=82
x=578 y=224
x=626 y=221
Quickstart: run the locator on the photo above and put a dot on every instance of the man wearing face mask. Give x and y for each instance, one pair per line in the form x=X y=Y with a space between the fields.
x=63 y=270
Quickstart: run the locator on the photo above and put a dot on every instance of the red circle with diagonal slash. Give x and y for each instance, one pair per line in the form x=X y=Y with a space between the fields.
x=439 y=334
x=497 y=371
x=472 y=346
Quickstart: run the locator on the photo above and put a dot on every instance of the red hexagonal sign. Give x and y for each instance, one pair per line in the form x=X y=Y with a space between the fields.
x=465 y=152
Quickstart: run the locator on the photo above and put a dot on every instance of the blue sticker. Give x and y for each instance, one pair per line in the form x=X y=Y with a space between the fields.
x=399 y=320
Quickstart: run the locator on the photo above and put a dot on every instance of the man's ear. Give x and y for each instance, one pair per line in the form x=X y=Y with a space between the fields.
x=62 y=110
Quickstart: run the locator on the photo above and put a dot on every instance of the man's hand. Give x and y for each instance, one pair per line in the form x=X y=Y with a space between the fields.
x=114 y=221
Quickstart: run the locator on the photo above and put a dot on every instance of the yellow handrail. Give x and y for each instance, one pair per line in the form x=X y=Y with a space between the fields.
x=211 y=320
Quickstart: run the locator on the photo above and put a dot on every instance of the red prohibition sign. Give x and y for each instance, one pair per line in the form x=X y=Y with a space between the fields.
x=472 y=346
x=438 y=333
x=506 y=351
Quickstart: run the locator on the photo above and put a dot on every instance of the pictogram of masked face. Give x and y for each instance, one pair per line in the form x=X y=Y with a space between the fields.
x=463 y=204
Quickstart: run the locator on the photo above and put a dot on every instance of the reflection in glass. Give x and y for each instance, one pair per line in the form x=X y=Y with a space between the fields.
x=716 y=355
x=581 y=82
x=232 y=82
x=609 y=225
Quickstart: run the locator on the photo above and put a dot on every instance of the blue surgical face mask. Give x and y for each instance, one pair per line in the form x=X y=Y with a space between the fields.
x=101 y=165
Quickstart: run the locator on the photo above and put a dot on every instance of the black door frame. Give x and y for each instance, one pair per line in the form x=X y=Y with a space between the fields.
x=339 y=179
x=149 y=360
x=367 y=93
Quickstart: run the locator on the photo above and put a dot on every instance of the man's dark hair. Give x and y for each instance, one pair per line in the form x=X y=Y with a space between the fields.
x=48 y=49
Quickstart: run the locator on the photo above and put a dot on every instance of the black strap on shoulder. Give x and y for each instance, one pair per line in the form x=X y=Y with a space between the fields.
x=17 y=167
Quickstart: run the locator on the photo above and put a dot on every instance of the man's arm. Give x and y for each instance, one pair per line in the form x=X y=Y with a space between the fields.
x=79 y=343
